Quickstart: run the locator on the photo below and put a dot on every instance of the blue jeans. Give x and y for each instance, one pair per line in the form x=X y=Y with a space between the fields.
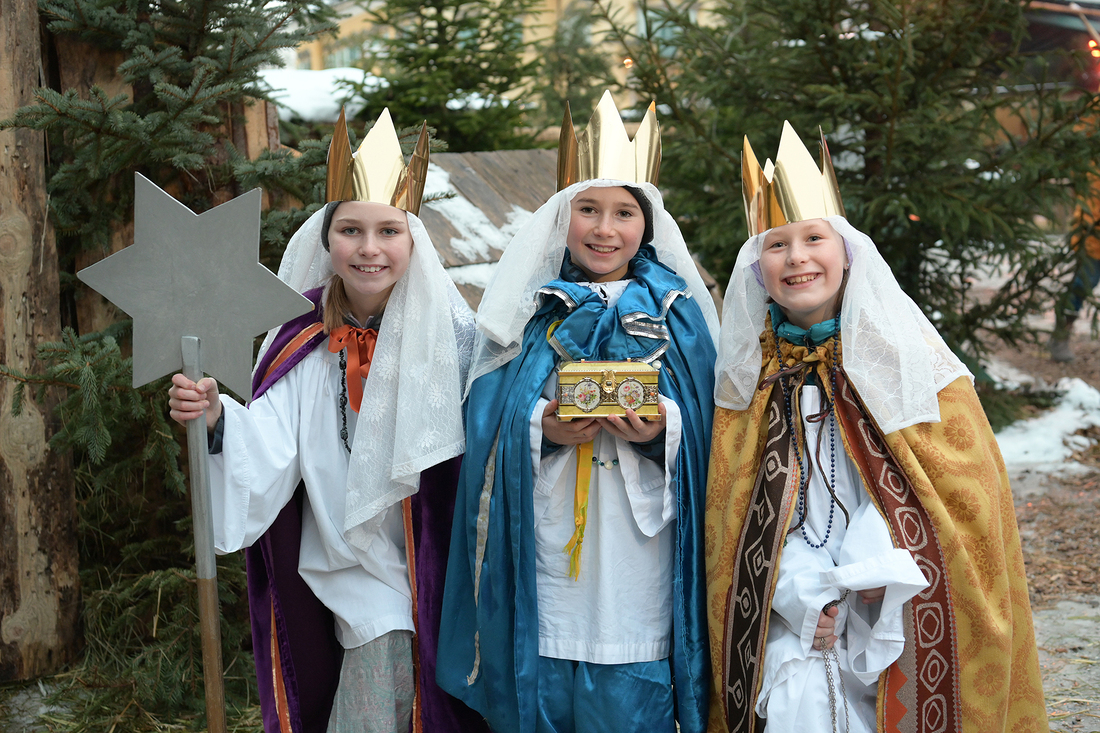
x=1084 y=282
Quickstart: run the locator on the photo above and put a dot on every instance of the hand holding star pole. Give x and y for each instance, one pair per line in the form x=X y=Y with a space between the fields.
x=185 y=312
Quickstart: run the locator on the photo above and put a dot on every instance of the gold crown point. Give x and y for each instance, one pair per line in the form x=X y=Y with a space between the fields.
x=608 y=112
x=567 y=151
x=378 y=165
x=417 y=174
x=793 y=188
x=376 y=172
x=647 y=154
x=421 y=149
x=752 y=182
x=603 y=143
x=338 y=179
x=749 y=163
x=603 y=149
x=793 y=159
x=830 y=174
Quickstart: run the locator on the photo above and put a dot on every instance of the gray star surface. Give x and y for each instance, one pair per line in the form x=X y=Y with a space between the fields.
x=195 y=275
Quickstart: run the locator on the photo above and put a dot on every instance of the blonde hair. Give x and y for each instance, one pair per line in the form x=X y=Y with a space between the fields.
x=336 y=304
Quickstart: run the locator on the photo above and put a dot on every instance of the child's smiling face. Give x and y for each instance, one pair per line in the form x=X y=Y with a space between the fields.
x=802 y=265
x=606 y=225
x=371 y=246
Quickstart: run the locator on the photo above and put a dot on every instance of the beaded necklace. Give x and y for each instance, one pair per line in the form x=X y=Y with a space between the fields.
x=344 y=399
x=372 y=322
x=803 y=475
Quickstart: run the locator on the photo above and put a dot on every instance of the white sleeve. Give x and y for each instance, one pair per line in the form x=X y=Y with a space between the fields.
x=545 y=472
x=800 y=591
x=650 y=486
x=256 y=473
x=868 y=559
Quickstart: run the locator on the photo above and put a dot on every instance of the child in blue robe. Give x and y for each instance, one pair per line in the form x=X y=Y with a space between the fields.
x=564 y=609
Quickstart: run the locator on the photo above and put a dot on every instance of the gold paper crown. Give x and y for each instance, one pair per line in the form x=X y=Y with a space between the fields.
x=603 y=150
x=377 y=172
x=793 y=189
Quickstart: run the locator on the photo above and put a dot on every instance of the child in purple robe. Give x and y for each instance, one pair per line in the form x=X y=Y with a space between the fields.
x=357 y=405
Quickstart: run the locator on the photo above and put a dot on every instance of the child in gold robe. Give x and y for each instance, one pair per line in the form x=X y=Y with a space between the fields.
x=864 y=569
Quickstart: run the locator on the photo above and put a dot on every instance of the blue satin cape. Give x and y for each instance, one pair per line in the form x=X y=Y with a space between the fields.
x=500 y=629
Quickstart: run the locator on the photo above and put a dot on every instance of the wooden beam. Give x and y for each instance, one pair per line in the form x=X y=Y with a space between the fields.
x=39 y=603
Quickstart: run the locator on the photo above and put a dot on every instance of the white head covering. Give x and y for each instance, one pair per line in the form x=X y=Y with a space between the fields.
x=411 y=415
x=533 y=258
x=893 y=355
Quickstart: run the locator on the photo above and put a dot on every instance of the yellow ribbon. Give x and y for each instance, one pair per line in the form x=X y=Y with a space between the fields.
x=580 y=508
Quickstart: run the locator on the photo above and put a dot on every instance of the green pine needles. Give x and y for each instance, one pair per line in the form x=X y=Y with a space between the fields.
x=573 y=68
x=185 y=72
x=957 y=151
x=461 y=66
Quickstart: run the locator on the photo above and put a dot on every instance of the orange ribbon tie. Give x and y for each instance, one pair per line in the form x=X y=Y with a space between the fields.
x=360 y=344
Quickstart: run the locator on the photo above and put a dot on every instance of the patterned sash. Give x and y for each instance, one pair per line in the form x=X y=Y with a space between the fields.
x=919 y=692
x=748 y=607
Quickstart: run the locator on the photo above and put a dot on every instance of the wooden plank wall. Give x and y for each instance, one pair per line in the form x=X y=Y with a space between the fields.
x=494 y=182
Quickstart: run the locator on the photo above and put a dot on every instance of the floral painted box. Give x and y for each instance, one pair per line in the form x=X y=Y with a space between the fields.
x=603 y=388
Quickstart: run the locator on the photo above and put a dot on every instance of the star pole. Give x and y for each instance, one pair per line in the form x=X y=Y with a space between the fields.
x=206 y=569
x=195 y=288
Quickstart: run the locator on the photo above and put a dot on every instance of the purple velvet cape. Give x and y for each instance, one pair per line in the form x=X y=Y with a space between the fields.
x=309 y=652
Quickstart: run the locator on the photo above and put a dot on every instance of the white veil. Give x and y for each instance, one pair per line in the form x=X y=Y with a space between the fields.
x=411 y=415
x=893 y=355
x=533 y=258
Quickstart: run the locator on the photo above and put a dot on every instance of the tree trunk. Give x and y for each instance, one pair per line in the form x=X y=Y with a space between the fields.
x=39 y=586
x=80 y=66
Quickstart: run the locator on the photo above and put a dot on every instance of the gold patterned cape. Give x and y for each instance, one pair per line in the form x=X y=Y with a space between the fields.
x=970 y=662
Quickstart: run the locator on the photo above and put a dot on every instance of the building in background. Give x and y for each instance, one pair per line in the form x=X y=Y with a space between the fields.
x=353 y=43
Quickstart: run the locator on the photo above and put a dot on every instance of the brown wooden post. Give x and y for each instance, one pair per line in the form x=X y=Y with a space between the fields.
x=39 y=586
x=80 y=66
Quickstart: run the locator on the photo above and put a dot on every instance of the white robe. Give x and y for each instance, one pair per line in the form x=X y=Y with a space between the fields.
x=291 y=433
x=619 y=609
x=794 y=694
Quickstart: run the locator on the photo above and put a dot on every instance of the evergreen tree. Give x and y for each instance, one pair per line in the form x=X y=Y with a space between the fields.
x=572 y=70
x=181 y=110
x=191 y=68
x=952 y=147
x=459 y=65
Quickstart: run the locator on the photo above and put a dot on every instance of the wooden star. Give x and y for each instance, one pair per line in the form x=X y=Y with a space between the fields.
x=196 y=275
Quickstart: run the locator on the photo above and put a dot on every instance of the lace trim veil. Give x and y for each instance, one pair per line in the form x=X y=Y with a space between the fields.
x=533 y=258
x=411 y=415
x=894 y=356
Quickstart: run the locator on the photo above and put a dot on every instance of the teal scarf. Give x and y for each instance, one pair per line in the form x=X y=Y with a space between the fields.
x=815 y=335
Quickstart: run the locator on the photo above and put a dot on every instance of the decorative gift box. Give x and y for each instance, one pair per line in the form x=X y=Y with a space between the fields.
x=602 y=388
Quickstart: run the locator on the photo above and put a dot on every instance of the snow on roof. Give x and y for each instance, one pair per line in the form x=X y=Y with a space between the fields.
x=315 y=96
x=476 y=236
x=491 y=194
x=476 y=275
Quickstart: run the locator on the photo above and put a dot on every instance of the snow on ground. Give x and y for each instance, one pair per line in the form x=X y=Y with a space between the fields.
x=1045 y=444
x=314 y=96
x=1007 y=376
